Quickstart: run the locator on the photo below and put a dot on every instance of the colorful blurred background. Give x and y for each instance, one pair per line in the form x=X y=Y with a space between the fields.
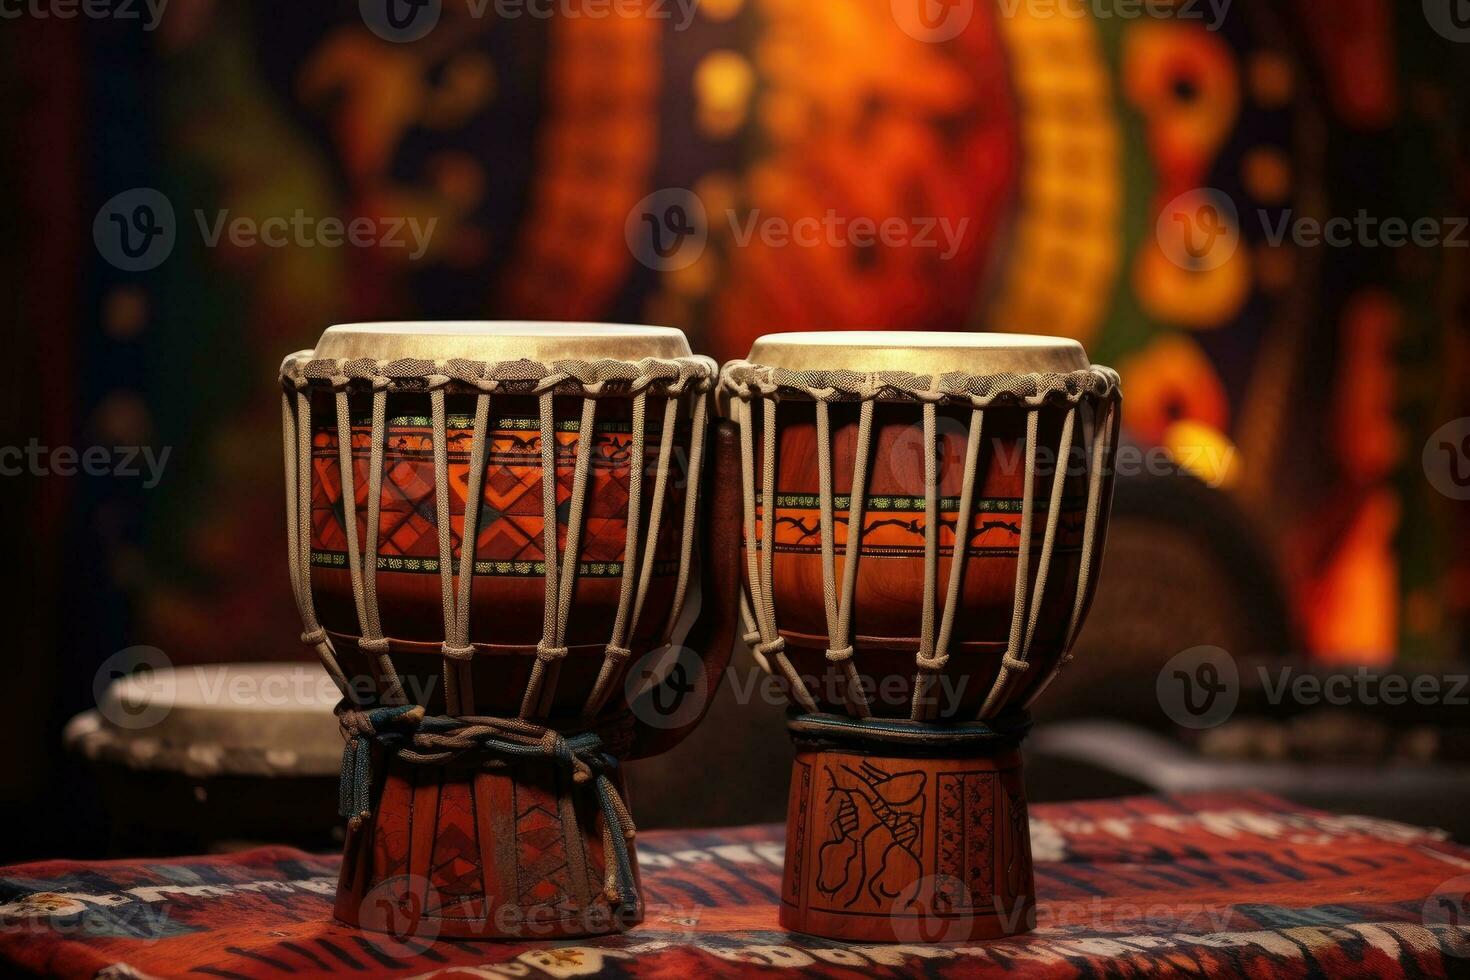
x=1069 y=137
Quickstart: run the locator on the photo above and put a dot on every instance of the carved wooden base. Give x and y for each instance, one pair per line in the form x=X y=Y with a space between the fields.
x=505 y=854
x=892 y=849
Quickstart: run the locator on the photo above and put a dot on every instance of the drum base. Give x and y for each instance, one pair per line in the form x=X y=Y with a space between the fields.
x=512 y=853
x=894 y=849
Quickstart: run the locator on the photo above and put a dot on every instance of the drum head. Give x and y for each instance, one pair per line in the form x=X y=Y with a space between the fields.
x=919 y=353
x=500 y=340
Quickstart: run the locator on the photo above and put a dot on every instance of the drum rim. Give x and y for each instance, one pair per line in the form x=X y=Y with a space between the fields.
x=920 y=352
x=500 y=340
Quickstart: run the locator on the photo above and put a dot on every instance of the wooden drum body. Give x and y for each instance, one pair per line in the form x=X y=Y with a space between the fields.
x=484 y=682
x=911 y=650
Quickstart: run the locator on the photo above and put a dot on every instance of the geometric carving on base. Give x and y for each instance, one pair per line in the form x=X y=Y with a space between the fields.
x=509 y=853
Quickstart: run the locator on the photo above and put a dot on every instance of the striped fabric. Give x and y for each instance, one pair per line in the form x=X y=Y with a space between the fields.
x=1140 y=887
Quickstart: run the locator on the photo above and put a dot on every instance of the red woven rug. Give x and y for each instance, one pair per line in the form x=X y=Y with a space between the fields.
x=1245 y=885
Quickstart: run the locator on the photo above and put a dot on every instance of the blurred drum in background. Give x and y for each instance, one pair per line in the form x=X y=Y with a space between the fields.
x=199 y=758
x=487 y=523
x=924 y=517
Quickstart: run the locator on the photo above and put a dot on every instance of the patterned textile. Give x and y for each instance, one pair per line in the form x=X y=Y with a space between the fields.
x=1220 y=884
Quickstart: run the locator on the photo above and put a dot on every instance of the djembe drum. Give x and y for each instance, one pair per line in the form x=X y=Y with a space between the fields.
x=923 y=522
x=203 y=754
x=487 y=522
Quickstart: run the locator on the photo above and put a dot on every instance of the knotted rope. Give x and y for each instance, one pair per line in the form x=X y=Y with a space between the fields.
x=410 y=735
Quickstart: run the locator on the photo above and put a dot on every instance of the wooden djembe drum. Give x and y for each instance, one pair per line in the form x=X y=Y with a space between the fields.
x=911 y=649
x=487 y=524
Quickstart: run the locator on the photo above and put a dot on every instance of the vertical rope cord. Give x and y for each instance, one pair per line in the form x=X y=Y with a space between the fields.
x=1010 y=661
x=752 y=610
x=1104 y=433
x=829 y=546
x=856 y=506
x=752 y=636
x=614 y=656
x=348 y=480
x=457 y=645
x=923 y=681
x=616 y=649
x=777 y=645
x=692 y=480
x=288 y=441
x=440 y=422
x=927 y=664
x=373 y=639
x=1053 y=517
x=1102 y=451
x=314 y=634
x=572 y=554
x=839 y=649
x=762 y=637
x=539 y=693
x=296 y=442
x=655 y=516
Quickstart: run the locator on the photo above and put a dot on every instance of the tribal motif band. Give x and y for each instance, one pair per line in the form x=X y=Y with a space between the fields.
x=510 y=530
